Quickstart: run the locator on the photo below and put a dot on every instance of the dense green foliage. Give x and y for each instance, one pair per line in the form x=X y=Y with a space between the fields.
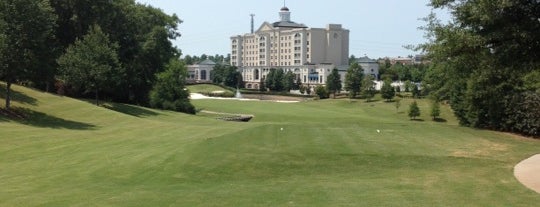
x=484 y=58
x=333 y=82
x=72 y=153
x=387 y=90
x=37 y=33
x=169 y=92
x=400 y=72
x=353 y=79
x=289 y=81
x=26 y=34
x=219 y=59
x=322 y=92
x=274 y=81
x=226 y=75
x=91 y=64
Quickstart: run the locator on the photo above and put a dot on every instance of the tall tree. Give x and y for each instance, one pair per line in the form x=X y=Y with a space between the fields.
x=333 y=82
x=288 y=81
x=91 y=63
x=274 y=80
x=143 y=33
x=26 y=28
x=368 y=87
x=170 y=93
x=480 y=59
x=353 y=79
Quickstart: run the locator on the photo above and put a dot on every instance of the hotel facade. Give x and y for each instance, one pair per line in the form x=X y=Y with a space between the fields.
x=310 y=53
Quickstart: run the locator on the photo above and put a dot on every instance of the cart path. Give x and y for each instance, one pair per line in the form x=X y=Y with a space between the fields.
x=528 y=172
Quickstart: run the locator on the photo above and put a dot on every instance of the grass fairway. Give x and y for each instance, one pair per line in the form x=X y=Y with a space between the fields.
x=329 y=153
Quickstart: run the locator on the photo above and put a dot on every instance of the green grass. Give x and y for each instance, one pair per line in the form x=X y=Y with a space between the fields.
x=329 y=153
x=206 y=88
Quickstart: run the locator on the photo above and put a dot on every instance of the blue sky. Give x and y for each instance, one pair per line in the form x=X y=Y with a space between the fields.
x=378 y=28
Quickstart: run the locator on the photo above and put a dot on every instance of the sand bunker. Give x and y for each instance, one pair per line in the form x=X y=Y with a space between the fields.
x=528 y=172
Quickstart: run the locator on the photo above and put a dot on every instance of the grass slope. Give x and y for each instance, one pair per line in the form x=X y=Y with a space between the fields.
x=328 y=154
x=206 y=88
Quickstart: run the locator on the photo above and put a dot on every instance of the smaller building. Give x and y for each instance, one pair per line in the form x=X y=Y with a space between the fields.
x=370 y=66
x=200 y=72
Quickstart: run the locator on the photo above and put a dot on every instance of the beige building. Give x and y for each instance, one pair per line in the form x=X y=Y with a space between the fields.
x=200 y=72
x=311 y=53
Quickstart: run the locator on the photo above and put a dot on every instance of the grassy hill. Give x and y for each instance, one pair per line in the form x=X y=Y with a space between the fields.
x=318 y=153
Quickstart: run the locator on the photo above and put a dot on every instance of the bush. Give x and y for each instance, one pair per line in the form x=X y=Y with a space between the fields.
x=321 y=92
x=523 y=114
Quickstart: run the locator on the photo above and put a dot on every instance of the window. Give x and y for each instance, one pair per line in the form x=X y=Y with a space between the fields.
x=203 y=74
x=256 y=74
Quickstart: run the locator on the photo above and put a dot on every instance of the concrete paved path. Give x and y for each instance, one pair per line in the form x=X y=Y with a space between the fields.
x=528 y=172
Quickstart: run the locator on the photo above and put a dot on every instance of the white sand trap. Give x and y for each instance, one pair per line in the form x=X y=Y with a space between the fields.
x=196 y=96
x=528 y=172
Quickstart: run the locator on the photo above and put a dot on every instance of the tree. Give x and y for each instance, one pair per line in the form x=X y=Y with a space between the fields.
x=288 y=81
x=268 y=81
x=435 y=110
x=408 y=86
x=274 y=80
x=226 y=75
x=368 y=87
x=26 y=28
x=397 y=104
x=415 y=91
x=333 y=82
x=387 y=90
x=352 y=59
x=353 y=79
x=262 y=86
x=480 y=58
x=297 y=83
x=170 y=93
x=91 y=63
x=414 y=111
x=321 y=92
x=143 y=33
x=278 y=80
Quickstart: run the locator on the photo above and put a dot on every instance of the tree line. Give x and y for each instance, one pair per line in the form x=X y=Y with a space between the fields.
x=486 y=63
x=101 y=48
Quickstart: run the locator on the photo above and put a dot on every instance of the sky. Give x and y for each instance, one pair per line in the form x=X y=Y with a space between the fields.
x=378 y=28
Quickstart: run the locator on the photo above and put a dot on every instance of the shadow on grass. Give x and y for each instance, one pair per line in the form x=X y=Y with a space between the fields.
x=418 y=120
x=130 y=110
x=439 y=120
x=17 y=96
x=38 y=119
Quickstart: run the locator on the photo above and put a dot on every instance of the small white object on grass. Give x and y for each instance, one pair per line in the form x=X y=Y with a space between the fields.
x=378 y=131
x=281 y=128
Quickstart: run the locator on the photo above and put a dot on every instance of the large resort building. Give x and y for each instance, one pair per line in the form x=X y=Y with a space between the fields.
x=310 y=53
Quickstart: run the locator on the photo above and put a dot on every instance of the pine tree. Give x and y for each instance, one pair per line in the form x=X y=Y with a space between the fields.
x=414 y=111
